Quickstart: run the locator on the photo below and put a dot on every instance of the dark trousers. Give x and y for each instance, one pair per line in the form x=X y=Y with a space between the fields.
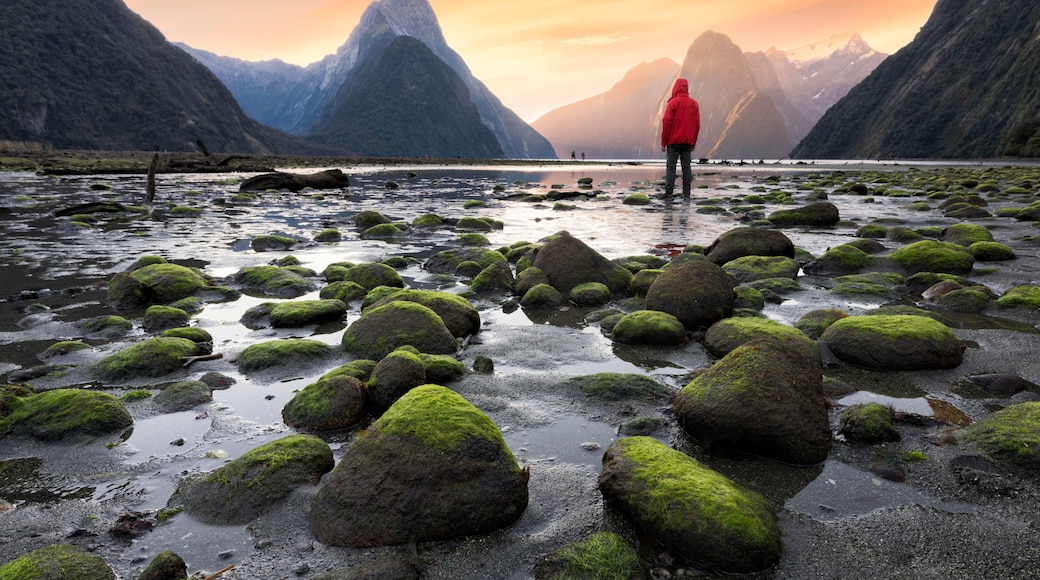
x=677 y=153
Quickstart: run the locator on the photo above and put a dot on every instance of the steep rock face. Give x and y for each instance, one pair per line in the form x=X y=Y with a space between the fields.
x=617 y=124
x=961 y=89
x=93 y=75
x=312 y=90
x=405 y=102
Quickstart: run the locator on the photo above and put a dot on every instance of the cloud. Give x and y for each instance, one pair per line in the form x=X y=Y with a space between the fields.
x=599 y=40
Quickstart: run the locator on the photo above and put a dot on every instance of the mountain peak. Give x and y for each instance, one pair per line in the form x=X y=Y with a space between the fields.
x=850 y=42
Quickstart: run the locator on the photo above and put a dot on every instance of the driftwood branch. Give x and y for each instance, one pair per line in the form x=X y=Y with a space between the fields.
x=189 y=360
x=150 y=187
x=220 y=572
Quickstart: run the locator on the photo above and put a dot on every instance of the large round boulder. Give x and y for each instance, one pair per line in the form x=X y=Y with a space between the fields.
x=1011 y=435
x=373 y=274
x=154 y=357
x=446 y=261
x=761 y=398
x=568 y=262
x=932 y=256
x=331 y=403
x=61 y=413
x=819 y=214
x=297 y=313
x=839 y=261
x=457 y=313
x=693 y=511
x=741 y=242
x=249 y=486
x=894 y=343
x=274 y=281
x=275 y=353
x=57 y=562
x=697 y=292
x=432 y=467
x=750 y=268
x=381 y=330
x=729 y=333
x=395 y=375
x=651 y=327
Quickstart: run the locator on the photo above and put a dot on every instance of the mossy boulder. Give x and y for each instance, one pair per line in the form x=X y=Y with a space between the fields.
x=461 y=318
x=867 y=423
x=762 y=398
x=274 y=281
x=159 y=318
x=383 y=329
x=650 y=327
x=105 y=327
x=343 y=291
x=642 y=280
x=621 y=387
x=891 y=342
x=428 y=220
x=328 y=236
x=697 y=292
x=991 y=252
x=965 y=234
x=373 y=274
x=932 y=256
x=251 y=485
x=636 y=199
x=969 y=300
x=1011 y=435
x=159 y=283
x=814 y=322
x=165 y=566
x=839 y=261
x=527 y=279
x=603 y=555
x=394 y=375
x=541 y=296
x=569 y=262
x=154 y=357
x=497 y=277
x=63 y=348
x=331 y=403
x=270 y=242
x=57 y=562
x=590 y=294
x=368 y=218
x=60 y=413
x=275 y=353
x=299 y=313
x=432 y=467
x=441 y=368
x=872 y=231
x=182 y=396
x=446 y=261
x=1026 y=296
x=694 y=512
x=199 y=336
x=819 y=214
x=741 y=242
x=729 y=333
x=361 y=369
x=473 y=223
x=750 y=268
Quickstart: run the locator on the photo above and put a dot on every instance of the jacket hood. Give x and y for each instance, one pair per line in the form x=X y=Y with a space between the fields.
x=681 y=88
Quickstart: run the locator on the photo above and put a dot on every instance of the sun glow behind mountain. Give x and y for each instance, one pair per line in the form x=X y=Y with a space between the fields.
x=540 y=54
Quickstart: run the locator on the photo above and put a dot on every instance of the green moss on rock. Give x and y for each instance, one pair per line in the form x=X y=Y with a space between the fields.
x=331 y=403
x=1011 y=434
x=590 y=294
x=54 y=415
x=57 y=562
x=383 y=329
x=154 y=357
x=750 y=268
x=280 y=353
x=1026 y=296
x=274 y=281
x=932 y=256
x=621 y=387
x=299 y=313
x=601 y=556
x=868 y=423
x=650 y=327
x=991 y=252
x=888 y=342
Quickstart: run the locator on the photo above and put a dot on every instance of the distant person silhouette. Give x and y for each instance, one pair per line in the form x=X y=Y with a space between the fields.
x=574 y=156
x=583 y=156
x=680 y=127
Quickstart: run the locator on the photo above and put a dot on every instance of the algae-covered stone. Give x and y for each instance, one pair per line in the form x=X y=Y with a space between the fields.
x=273 y=353
x=819 y=214
x=368 y=218
x=360 y=369
x=57 y=562
x=199 y=336
x=636 y=199
x=461 y=318
x=159 y=283
x=814 y=322
x=642 y=280
x=303 y=312
x=932 y=256
x=527 y=279
x=651 y=327
x=432 y=467
x=159 y=318
x=603 y=555
x=1011 y=434
x=446 y=261
x=428 y=220
x=991 y=252
x=751 y=268
x=541 y=296
x=964 y=300
x=473 y=223
x=271 y=242
x=621 y=387
x=887 y=342
x=1026 y=296
x=371 y=275
x=274 y=281
x=54 y=415
x=105 y=327
x=868 y=423
x=840 y=260
x=965 y=234
x=182 y=396
x=590 y=294
x=328 y=236
x=395 y=375
x=697 y=292
x=165 y=566
x=495 y=278
x=383 y=329
x=63 y=348
x=252 y=484
x=693 y=511
x=154 y=357
x=761 y=398
x=332 y=403
x=569 y=262
x=343 y=291
x=441 y=368
x=729 y=333
x=740 y=242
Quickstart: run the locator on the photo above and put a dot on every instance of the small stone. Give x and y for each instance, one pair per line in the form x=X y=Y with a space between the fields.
x=302 y=569
x=177 y=442
x=590 y=446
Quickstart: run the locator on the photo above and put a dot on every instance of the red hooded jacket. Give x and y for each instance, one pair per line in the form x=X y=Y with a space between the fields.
x=682 y=117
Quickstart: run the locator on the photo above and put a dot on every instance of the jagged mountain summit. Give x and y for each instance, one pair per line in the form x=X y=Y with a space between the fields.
x=92 y=74
x=966 y=87
x=299 y=99
x=753 y=105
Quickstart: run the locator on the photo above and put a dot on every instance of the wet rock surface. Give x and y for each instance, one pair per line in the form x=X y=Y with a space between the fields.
x=955 y=512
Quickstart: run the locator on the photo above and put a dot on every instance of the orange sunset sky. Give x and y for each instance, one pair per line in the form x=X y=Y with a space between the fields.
x=537 y=55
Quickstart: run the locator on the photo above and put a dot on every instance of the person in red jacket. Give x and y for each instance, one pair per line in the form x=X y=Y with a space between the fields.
x=679 y=130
